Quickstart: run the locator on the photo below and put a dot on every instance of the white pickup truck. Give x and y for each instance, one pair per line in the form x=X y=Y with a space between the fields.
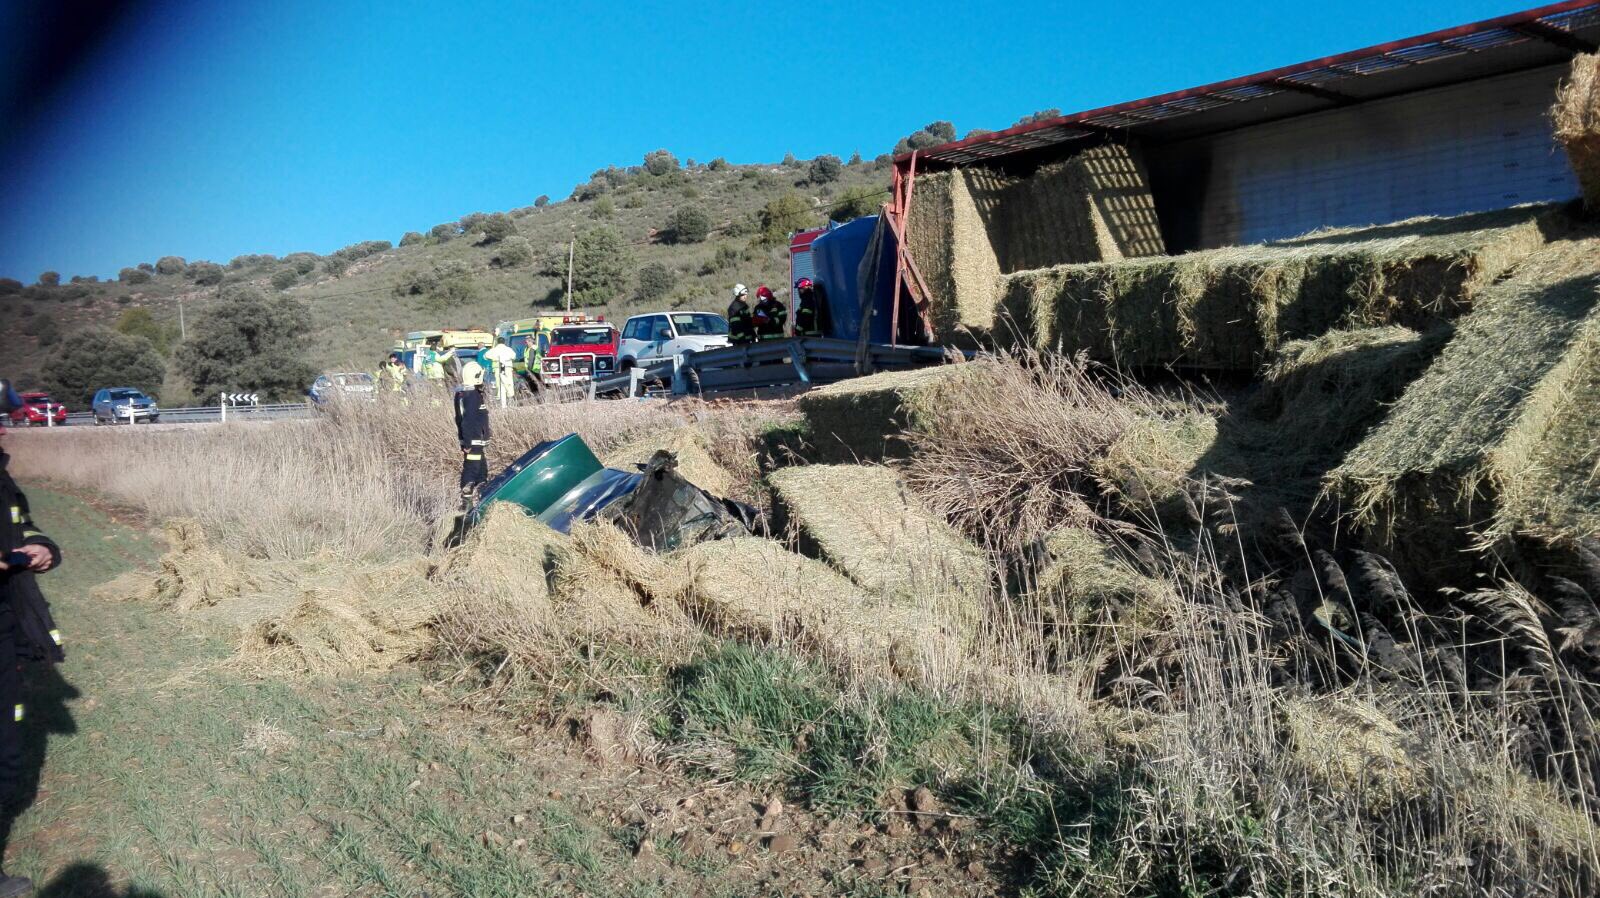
x=647 y=339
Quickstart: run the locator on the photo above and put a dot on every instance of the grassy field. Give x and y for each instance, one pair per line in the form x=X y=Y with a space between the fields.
x=357 y=314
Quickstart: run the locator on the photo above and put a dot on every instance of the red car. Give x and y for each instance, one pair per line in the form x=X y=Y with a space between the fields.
x=37 y=410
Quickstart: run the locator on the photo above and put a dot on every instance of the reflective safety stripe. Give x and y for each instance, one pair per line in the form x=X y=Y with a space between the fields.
x=16 y=514
x=30 y=534
x=474 y=456
x=480 y=442
x=56 y=635
x=17 y=713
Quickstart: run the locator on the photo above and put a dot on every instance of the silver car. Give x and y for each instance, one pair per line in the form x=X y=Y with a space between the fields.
x=124 y=405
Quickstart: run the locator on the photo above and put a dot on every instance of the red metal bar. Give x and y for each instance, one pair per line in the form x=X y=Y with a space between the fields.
x=1258 y=80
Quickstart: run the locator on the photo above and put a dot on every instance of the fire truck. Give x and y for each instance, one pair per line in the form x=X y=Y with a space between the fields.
x=557 y=350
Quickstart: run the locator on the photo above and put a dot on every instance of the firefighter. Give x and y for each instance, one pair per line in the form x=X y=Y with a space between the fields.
x=433 y=365
x=741 y=329
x=27 y=633
x=394 y=371
x=503 y=358
x=472 y=430
x=807 y=315
x=770 y=315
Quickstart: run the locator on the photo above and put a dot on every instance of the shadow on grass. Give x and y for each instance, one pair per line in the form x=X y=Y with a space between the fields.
x=45 y=695
x=84 y=880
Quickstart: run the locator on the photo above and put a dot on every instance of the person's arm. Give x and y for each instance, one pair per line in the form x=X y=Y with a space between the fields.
x=42 y=551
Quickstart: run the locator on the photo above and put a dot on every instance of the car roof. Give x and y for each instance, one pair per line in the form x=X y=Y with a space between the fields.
x=35 y=394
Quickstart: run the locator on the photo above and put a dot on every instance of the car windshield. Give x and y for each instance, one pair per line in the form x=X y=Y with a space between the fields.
x=125 y=394
x=38 y=399
x=581 y=336
x=700 y=324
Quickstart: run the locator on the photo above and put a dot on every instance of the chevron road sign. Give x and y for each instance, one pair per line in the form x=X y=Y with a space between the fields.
x=241 y=398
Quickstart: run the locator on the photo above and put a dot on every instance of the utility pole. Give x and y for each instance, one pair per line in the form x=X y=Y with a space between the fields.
x=183 y=332
x=572 y=244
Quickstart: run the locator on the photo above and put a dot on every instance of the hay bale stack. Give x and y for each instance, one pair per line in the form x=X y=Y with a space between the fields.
x=1150 y=465
x=1499 y=414
x=865 y=522
x=1577 y=125
x=193 y=573
x=1230 y=309
x=693 y=450
x=608 y=587
x=952 y=245
x=861 y=419
x=756 y=589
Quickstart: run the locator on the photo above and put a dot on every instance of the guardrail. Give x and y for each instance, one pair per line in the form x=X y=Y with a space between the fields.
x=210 y=413
x=797 y=361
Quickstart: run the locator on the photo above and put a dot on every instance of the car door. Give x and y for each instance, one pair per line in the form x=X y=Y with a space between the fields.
x=99 y=404
x=661 y=338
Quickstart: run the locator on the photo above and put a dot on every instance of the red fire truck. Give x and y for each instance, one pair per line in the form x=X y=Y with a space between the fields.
x=578 y=352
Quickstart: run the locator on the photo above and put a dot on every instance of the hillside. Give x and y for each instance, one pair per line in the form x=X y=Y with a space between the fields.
x=363 y=296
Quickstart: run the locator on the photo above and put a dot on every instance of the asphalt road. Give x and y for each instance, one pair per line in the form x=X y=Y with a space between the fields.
x=212 y=414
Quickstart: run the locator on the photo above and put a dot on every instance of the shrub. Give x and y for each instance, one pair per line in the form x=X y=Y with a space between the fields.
x=1040 y=116
x=285 y=278
x=133 y=276
x=86 y=279
x=600 y=266
x=719 y=164
x=411 y=238
x=336 y=265
x=635 y=201
x=603 y=208
x=689 y=192
x=727 y=256
x=139 y=322
x=497 y=227
x=655 y=282
x=45 y=328
x=542 y=201
x=50 y=279
x=146 y=266
x=789 y=161
x=933 y=135
x=12 y=286
x=855 y=158
x=248 y=343
x=99 y=357
x=660 y=163
x=688 y=224
x=473 y=222
x=514 y=252
x=124 y=299
x=825 y=170
x=304 y=263
x=856 y=202
x=170 y=265
x=207 y=274
x=445 y=231
x=783 y=216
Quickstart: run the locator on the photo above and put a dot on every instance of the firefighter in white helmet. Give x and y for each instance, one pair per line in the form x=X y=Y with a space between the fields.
x=472 y=430
x=741 y=325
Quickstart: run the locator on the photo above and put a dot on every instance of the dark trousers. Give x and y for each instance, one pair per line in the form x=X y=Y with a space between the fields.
x=474 y=469
x=11 y=757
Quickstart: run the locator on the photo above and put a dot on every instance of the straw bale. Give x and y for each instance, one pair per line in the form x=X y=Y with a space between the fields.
x=862 y=418
x=865 y=522
x=1576 y=116
x=753 y=588
x=1084 y=574
x=954 y=249
x=608 y=586
x=1353 y=747
x=693 y=451
x=1150 y=464
x=1232 y=308
x=1501 y=410
x=193 y=574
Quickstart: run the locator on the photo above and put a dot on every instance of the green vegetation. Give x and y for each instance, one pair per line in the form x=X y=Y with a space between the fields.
x=248 y=343
x=825 y=170
x=171 y=265
x=103 y=358
x=49 y=279
x=688 y=224
x=139 y=322
x=655 y=282
x=600 y=267
x=932 y=135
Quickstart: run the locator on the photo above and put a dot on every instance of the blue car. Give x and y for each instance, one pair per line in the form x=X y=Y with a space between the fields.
x=113 y=405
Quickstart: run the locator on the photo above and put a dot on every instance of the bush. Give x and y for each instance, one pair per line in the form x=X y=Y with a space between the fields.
x=335 y=266
x=411 y=238
x=285 y=278
x=855 y=158
x=207 y=274
x=542 y=201
x=655 y=282
x=248 y=343
x=660 y=163
x=146 y=266
x=133 y=276
x=304 y=263
x=514 y=252
x=600 y=267
x=170 y=265
x=1040 y=116
x=124 y=299
x=445 y=231
x=50 y=279
x=45 y=328
x=603 y=208
x=856 y=202
x=727 y=256
x=719 y=164
x=497 y=227
x=825 y=170
x=139 y=322
x=688 y=224
x=98 y=358
x=783 y=216
x=86 y=279
x=12 y=286
x=933 y=135
x=789 y=161
x=635 y=201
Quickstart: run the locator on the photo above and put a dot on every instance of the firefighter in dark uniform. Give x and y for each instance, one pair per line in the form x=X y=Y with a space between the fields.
x=807 y=315
x=472 y=430
x=770 y=315
x=27 y=633
x=741 y=327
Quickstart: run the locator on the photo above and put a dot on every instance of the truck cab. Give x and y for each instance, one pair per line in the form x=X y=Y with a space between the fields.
x=533 y=340
x=647 y=339
x=578 y=352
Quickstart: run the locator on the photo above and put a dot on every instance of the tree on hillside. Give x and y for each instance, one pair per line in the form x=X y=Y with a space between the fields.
x=140 y=323
x=1040 y=116
x=655 y=282
x=497 y=227
x=932 y=135
x=50 y=279
x=719 y=164
x=98 y=357
x=206 y=274
x=170 y=265
x=10 y=286
x=856 y=202
x=513 y=252
x=600 y=264
x=411 y=237
x=45 y=329
x=660 y=163
x=783 y=216
x=542 y=201
x=855 y=158
x=688 y=224
x=825 y=170
x=284 y=278
x=133 y=276
x=444 y=231
x=146 y=266
x=248 y=343
x=304 y=263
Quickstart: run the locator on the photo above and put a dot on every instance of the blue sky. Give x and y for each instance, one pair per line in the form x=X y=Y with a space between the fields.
x=210 y=130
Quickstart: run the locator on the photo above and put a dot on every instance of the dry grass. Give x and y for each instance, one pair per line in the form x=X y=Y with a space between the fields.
x=866 y=418
x=1576 y=116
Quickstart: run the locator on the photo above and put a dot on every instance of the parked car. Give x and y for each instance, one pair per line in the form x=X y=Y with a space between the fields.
x=125 y=404
x=346 y=385
x=38 y=410
x=664 y=335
